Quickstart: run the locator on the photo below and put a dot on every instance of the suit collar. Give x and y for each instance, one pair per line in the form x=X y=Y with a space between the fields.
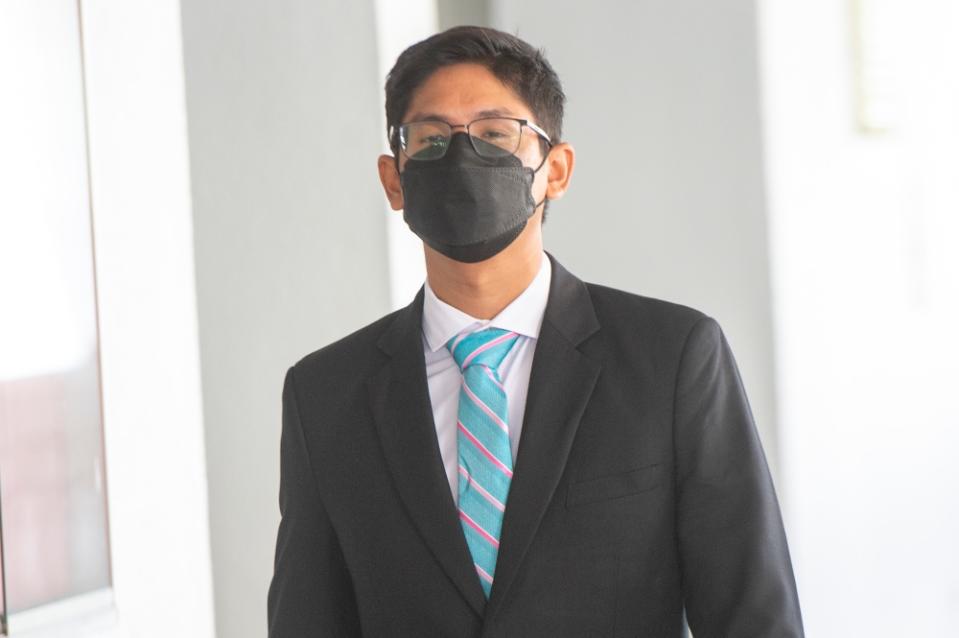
x=569 y=308
x=561 y=382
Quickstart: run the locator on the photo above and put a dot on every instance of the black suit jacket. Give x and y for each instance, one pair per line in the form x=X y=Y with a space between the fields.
x=640 y=488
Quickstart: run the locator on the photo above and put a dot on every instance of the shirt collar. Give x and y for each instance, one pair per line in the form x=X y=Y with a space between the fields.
x=523 y=315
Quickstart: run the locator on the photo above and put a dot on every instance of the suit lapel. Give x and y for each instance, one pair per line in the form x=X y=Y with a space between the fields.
x=561 y=382
x=399 y=396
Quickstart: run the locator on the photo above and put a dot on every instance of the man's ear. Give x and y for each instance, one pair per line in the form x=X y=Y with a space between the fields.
x=560 y=163
x=390 y=178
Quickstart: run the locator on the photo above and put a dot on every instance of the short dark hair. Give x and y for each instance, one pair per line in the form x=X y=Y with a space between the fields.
x=514 y=62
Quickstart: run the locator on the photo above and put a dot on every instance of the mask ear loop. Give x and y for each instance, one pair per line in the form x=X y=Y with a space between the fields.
x=545 y=157
x=536 y=170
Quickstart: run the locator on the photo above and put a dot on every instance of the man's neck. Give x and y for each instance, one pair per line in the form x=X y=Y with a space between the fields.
x=483 y=289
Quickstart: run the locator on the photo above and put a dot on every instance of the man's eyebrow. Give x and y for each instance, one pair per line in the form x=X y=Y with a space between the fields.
x=495 y=112
x=420 y=117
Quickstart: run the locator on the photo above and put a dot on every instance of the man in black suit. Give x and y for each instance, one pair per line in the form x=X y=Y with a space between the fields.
x=517 y=452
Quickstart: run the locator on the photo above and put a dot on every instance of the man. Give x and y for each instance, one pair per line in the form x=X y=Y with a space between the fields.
x=517 y=452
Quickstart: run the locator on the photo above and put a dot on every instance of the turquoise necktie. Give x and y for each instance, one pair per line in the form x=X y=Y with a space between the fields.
x=483 y=449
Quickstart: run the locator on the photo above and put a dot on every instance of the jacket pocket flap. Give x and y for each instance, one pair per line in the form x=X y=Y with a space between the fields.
x=616 y=485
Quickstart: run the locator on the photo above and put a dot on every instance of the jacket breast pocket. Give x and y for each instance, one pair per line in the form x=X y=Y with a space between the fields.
x=635 y=481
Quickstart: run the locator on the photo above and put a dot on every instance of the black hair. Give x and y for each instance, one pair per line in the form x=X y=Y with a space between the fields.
x=516 y=63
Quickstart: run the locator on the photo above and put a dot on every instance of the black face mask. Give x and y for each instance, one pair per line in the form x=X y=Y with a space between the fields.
x=466 y=206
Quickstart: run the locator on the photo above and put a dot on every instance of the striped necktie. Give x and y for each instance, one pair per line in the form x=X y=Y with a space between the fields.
x=485 y=462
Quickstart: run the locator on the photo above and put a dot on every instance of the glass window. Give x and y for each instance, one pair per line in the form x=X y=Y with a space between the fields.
x=52 y=481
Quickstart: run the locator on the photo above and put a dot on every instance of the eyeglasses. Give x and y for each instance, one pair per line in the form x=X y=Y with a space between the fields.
x=491 y=137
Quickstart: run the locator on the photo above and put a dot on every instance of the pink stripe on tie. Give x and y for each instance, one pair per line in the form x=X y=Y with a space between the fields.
x=479 y=488
x=485 y=408
x=483 y=574
x=493 y=378
x=486 y=346
x=482 y=448
x=459 y=338
x=479 y=530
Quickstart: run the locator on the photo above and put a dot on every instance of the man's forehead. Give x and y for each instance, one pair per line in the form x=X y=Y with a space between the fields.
x=466 y=90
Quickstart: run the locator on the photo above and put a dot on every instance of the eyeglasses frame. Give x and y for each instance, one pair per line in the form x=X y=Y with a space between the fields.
x=395 y=132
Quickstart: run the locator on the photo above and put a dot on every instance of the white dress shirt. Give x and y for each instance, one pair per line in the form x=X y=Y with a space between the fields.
x=441 y=321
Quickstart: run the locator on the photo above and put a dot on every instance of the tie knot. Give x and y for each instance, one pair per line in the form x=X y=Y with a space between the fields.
x=487 y=347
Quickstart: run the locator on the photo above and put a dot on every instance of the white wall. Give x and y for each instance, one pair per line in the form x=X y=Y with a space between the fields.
x=148 y=333
x=284 y=103
x=399 y=25
x=864 y=236
x=667 y=198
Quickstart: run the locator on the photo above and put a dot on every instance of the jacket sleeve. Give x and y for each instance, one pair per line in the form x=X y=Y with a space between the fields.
x=311 y=594
x=737 y=575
